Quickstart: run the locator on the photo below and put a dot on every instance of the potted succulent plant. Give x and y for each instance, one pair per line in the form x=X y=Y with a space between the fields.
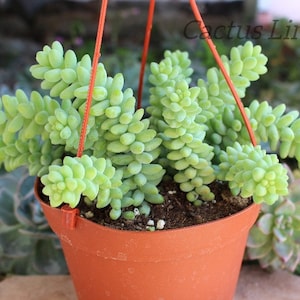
x=193 y=136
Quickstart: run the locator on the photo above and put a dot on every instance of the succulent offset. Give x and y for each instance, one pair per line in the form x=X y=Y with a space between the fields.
x=194 y=133
x=274 y=240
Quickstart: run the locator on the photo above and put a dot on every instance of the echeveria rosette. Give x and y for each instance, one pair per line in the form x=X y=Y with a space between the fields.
x=251 y=172
x=28 y=246
x=274 y=240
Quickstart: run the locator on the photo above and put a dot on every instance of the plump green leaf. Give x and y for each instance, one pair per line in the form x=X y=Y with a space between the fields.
x=265 y=223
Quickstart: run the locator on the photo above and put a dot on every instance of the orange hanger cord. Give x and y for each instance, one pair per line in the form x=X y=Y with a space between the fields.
x=222 y=68
x=145 y=51
x=96 y=57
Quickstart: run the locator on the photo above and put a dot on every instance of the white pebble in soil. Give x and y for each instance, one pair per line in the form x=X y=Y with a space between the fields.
x=160 y=224
x=171 y=192
x=136 y=211
x=150 y=223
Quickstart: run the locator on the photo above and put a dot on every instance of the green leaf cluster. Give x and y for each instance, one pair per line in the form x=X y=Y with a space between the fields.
x=252 y=172
x=194 y=132
x=23 y=138
x=40 y=131
x=202 y=128
x=174 y=109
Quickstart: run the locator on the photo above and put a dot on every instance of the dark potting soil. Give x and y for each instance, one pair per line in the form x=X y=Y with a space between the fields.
x=175 y=212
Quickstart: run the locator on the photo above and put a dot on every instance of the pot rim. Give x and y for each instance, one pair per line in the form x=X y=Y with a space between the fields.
x=255 y=207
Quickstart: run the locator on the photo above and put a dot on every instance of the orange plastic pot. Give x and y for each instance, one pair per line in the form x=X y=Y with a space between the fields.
x=197 y=262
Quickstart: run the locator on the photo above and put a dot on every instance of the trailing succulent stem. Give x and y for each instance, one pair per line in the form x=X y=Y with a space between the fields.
x=118 y=136
x=24 y=140
x=194 y=133
x=198 y=124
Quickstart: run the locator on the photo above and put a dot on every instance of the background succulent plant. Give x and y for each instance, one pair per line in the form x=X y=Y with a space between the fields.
x=27 y=244
x=274 y=240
